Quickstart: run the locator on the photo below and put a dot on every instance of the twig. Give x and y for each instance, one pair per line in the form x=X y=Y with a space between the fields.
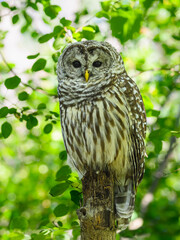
x=84 y=24
x=6 y=63
x=160 y=172
x=6 y=14
x=25 y=84
x=172 y=69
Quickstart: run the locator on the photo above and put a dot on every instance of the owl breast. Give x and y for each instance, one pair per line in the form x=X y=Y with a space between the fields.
x=97 y=134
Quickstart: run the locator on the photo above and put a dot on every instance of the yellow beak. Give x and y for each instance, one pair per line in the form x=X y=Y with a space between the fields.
x=86 y=75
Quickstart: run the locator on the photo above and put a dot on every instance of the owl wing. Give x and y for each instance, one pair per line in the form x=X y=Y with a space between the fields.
x=125 y=195
x=136 y=155
x=138 y=128
x=136 y=104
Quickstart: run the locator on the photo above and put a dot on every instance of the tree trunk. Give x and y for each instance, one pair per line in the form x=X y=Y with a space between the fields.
x=97 y=217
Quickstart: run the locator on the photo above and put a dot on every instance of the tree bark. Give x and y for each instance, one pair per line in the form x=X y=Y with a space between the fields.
x=97 y=216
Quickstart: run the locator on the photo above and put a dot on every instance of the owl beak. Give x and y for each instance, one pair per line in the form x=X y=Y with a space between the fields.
x=86 y=75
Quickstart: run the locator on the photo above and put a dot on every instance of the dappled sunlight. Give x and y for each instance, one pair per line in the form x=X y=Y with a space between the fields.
x=135 y=224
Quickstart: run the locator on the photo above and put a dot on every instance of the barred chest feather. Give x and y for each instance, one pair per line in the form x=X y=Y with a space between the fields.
x=97 y=134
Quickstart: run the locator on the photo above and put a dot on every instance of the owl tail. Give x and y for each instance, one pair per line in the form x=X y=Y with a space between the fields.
x=124 y=204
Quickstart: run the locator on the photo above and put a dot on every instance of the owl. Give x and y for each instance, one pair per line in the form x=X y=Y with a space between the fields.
x=103 y=119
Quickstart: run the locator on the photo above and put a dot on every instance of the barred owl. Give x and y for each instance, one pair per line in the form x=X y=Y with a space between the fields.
x=103 y=118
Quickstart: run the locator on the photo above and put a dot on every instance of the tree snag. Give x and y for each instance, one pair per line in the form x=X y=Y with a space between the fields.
x=97 y=216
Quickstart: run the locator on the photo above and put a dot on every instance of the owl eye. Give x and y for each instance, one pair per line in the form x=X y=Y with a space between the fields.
x=76 y=64
x=97 y=64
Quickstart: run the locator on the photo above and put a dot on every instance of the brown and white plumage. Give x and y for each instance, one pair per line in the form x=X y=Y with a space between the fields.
x=103 y=119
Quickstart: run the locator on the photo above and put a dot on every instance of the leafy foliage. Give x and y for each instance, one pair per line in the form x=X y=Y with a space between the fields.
x=6 y=129
x=39 y=194
x=12 y=82
x=39 y=65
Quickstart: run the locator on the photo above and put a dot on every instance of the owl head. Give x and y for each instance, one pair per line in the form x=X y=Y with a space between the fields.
x=87 y=66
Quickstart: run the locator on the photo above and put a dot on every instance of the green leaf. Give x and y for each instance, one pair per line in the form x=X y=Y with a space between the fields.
x=117 y=26
x=44 y=222
x=5 y=4
x=74 y=223
x=152 y=113
x=13 y=8
x=147 y=3
x=12 y=110
x=15 y=19
x=25 y=109
x=63 y=173
x=89 y=29
x=48 y=128
x=61 y=210
x=33 y=56
x=41 y=106
x=102 y=14
x=88 y=32
x=80 y=14
x=176 y=37
x=3 y=112
x=16 y=235
x=58 y=30
x=6 y=129
x=63 y=155
x=106 y=5
x=59 y=189
x=65 y=22
x=135 y=28
x=55 y=56
x=28 y=18
x=58 y=43
x=24 y=28
x=75 y=197
x=39 y=236
x=76 y=232
x=19 y=223
x=160 y=134
x=12 y=82
x=45 y=38
x=52 y=11
x=54 y=113
x=60 y=223
x=175 y=133
x=33 y=5
x=23 y=96
x=147 y=102
x=157 y=145
x=39 y=65
x=31 y=122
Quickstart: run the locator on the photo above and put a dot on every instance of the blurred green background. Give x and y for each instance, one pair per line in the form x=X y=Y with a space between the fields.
x=39 y=194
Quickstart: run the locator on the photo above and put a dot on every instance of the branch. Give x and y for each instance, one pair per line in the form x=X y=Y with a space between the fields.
x=148 y=198
x=97 y=216
x=160 y=172
x=6 y=63
x=25 y=84
x=6 y=14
